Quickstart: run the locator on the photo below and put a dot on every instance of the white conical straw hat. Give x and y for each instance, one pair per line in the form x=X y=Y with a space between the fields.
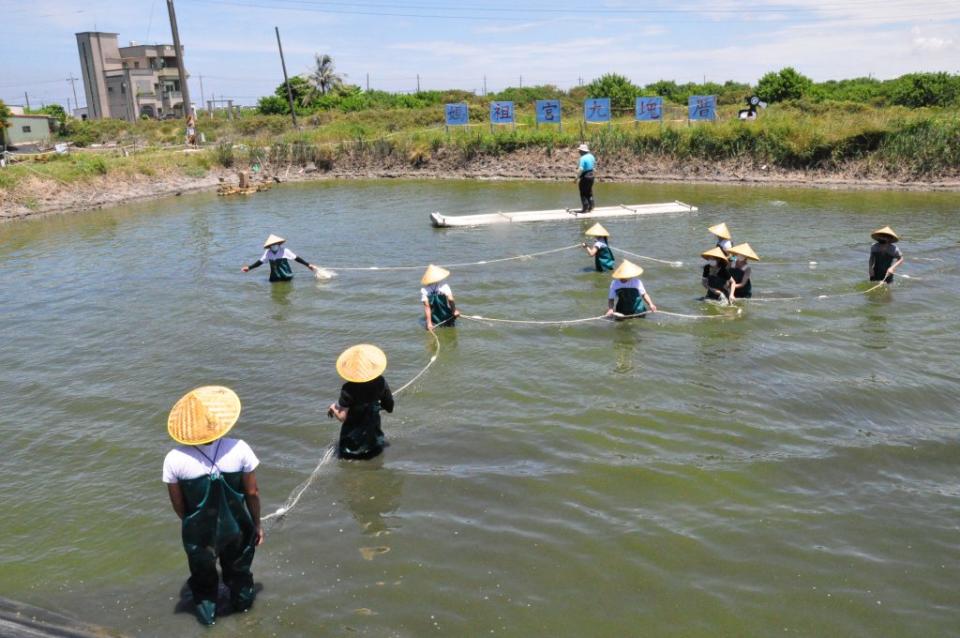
x=273 y=239
x=584 y=148
x=714 y=253
x=720 y=230
x=886 y=230
x=203 y=415
x=597 y=231
x=433 y=274
x=361 y=363
x=627 y=270
x=744 y=250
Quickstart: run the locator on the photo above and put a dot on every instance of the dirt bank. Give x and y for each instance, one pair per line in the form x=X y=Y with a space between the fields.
x=38 y=196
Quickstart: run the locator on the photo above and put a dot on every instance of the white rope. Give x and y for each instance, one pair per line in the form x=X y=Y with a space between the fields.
x=461 y=265
x=675 y=264
x=330 y=452
x=561 y=322
x=858 y=292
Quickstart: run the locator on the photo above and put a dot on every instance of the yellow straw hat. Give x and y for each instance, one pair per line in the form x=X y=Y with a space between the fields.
x=885 y=231
x=361 y=363
x=273 y=239
x=203 y=415
x=720 y=230
x=627 y=270
x=433 y=274
x=744 y=250
x=597 y=231
x=714 y=253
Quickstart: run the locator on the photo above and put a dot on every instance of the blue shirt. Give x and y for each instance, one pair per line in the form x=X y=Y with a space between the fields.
x=587 y=162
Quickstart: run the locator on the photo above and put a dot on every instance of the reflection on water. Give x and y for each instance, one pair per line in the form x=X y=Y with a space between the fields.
x=371 y=493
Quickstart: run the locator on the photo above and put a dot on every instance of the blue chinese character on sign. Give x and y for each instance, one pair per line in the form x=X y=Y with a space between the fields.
x=457 y=114
x=597 y=109
x=702 y=107
x=501 y=112
x=649 y=109
x=548 y=111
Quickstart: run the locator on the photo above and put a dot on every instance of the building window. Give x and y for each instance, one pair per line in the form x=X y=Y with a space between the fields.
x=136 y=65
x=25 y=129
x=109 y=89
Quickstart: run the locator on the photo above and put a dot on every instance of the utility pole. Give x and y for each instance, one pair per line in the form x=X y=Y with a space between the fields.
x=521 y=81
x=418 y=82
x=27 y=98
x=69 y=108
x=484 y=85
x=73 y=82
x=286 y=80
x=184 y=89
x=368 y=82
x=580 y=80
x=202 y=100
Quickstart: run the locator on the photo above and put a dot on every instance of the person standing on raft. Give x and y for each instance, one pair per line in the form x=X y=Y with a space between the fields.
x=278 y=257
x=885 y=256
x=724 y=239
x=439 y=307
x=362 y=397
x=603 y=258
x=585 y=177
x=716 y=275
x=213 y=489
x=628 y=298
x=741 y=287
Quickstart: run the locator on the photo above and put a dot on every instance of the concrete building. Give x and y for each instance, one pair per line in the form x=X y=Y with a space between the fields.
x=28 y=130
x=129 y=82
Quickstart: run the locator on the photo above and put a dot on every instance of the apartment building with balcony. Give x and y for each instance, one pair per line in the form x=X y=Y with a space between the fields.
x=128 y=83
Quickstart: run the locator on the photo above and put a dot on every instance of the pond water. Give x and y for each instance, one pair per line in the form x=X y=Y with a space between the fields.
x=788 y=470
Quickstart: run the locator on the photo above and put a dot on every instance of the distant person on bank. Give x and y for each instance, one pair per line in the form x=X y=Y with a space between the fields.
x=716 y=278
x=213 y=489
x=279 y=259
x=885 y=256
x=439 y=307
x=724 y=239
x=627 y=297
x=603 y=259
x=585 y=178
x=741 y=287
x=362 y=397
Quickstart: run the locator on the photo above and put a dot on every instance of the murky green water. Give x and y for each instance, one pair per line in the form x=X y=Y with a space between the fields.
x=791 y=471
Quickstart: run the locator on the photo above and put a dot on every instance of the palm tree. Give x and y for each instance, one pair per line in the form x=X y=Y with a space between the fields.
x=322 y=78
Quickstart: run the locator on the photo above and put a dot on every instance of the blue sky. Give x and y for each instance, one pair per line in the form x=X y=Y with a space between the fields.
x=232 y=43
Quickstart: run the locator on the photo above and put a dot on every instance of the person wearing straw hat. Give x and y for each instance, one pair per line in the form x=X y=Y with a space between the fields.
x=716 y=275
x=585 y=177
x=628 y=298
x=362 y=397
x=212 y=485
x=741 y=287
x=439 y=307
x=278 y=256
x=885 y=256
x=724 y=239
x=603 y=258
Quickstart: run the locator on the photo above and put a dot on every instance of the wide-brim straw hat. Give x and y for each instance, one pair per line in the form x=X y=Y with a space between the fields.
x=273 y=239
x=361 y=363
x=720 y=230
x=583 y=148
x=627 y=270
x=433 y=274
x=714 y=253
x=887 y=232
x=597 y=231
x=744 y=250
x=203 y=415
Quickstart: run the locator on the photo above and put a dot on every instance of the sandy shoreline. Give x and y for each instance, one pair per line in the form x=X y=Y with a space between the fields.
x=50 y=197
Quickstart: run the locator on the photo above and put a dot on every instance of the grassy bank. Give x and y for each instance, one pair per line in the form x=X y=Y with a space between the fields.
x=862 y=141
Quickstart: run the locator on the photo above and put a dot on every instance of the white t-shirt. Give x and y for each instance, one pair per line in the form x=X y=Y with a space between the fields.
x=283 y=253
x=599 y=243
x=616 y=285
x=725 y=244
x=186 y=461
x=443 y=289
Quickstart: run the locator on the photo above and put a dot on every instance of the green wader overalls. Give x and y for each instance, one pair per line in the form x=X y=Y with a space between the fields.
x=630 y=302
x=218 y=525
x=604 y=259
x=440 y=309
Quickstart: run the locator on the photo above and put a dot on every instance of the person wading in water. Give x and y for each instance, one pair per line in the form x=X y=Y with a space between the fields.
x=362 y=397
x=279 y=259
x=742 y=287
x=439 y=307
x=603 y=258
x=585 y=177
x=213 y=489
x=627 y=297
x=885 y=256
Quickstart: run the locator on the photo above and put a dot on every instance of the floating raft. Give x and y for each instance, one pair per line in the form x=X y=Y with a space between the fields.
x=621 y=210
